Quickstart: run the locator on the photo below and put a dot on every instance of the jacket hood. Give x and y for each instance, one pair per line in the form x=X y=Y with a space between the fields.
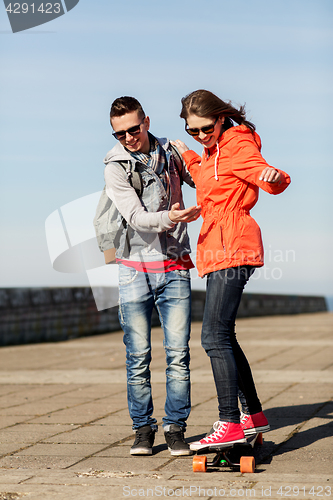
x=119 y=153
x=241 y=132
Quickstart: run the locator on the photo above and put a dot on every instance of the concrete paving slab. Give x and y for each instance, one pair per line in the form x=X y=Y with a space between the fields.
x=315 y=435
x=8 y=448
x=114 y=420
x=61 y=450
x=8 y=421
x=87 y=434
x=300 y=459
x=16 y=477
x=38 y=408
x=30 y=433
x=41 y=462
x=79 y=415
x=87 y=455
x=114 y=463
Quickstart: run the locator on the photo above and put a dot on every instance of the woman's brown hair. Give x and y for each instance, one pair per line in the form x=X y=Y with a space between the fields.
x=207 y=105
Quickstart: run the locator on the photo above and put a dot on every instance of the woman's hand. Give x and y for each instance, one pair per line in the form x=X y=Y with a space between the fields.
x=269 y=174
x=181 y=146
x=187 y=215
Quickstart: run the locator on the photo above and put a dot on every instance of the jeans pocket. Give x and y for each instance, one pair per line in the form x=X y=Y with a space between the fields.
x=127 y=275
x=183 y=273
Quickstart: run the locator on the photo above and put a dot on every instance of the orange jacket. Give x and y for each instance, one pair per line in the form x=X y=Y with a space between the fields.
x=227 y=188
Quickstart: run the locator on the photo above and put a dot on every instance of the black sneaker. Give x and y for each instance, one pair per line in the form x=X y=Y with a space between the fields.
x=144 y=440
x=174 y=438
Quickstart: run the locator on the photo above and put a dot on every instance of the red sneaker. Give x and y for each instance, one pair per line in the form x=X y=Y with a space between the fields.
x=251 y=424
x=224 y=435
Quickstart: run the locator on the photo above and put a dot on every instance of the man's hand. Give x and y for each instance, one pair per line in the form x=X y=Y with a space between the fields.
x=270 y=175
x=187 y=215
x=181 y=146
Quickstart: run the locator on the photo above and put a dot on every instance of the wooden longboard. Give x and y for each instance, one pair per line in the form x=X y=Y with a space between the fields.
x=230 y=456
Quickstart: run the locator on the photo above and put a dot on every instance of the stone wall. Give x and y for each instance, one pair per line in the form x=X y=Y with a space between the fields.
x=52 y=314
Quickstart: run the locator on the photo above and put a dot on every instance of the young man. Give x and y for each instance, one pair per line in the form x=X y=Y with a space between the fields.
x=154 y=262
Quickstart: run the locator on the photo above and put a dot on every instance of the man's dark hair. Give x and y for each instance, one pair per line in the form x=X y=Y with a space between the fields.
x=124 y=105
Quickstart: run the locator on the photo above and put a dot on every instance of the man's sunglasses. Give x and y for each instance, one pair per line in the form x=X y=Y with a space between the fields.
x=208 y=129
x=121 y=134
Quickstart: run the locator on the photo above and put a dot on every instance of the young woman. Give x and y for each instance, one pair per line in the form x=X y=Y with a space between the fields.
x=228 y=178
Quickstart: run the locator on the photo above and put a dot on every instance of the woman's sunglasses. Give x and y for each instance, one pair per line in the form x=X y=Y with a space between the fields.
x=121 y=134
x=208 y=129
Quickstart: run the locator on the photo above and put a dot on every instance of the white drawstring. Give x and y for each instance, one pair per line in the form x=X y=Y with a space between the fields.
x=216 y=160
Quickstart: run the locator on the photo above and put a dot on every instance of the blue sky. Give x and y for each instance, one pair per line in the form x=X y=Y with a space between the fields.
x=59 y=79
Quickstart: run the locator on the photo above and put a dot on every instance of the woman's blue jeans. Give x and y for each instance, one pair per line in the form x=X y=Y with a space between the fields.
x=230 y=367
x=170 y=294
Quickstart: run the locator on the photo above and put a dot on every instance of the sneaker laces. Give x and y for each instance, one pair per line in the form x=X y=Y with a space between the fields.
x=143 y=434
x=244 y=418
x=219 y=431
x=176 y=436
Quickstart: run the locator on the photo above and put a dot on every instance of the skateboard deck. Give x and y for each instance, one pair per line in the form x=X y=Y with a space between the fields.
x=238 y=455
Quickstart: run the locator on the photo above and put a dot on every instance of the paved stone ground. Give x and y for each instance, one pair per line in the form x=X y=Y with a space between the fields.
x=65 y=432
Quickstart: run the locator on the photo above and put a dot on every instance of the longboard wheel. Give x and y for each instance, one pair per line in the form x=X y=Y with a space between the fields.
x=199 y=463
x=247 y=464
x=260 y=439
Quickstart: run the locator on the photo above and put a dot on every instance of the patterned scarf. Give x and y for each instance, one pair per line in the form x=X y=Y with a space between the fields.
x=155 y=160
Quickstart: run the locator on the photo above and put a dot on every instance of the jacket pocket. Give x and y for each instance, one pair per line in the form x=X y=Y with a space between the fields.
x=222 y=240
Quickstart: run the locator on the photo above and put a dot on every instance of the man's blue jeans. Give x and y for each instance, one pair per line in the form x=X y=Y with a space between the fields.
x=230 y=367
x=170 y=294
